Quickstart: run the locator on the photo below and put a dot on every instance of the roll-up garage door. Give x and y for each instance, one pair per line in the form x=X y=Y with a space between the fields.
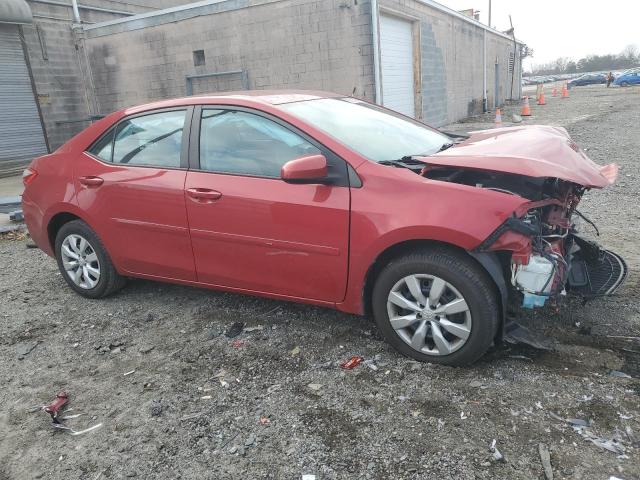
x=21 y=134
x=396 y=58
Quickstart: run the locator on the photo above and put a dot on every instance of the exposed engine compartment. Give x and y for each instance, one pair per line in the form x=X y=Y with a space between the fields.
x=547 y=257
x=528 y=187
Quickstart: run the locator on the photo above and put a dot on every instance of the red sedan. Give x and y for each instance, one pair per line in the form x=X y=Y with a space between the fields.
x=323 y=199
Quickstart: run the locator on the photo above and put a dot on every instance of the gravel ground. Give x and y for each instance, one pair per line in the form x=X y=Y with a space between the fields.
x=273 y=403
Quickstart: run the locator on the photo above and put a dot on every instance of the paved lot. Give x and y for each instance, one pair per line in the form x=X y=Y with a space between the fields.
x=272 y=402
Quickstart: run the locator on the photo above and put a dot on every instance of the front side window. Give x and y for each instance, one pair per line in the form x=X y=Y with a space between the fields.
x=153 y=140
x=367 y=129
x=247 y=144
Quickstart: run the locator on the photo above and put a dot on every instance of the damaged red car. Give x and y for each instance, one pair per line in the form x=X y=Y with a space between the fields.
x=327 y=200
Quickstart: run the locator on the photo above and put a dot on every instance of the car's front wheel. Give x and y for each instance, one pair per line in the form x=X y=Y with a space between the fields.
x=436 y=306
x=84 y=262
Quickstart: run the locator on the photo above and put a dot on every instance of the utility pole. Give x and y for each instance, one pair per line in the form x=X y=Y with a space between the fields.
x=489 y=22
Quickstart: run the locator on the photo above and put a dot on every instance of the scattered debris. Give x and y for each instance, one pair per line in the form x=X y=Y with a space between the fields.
x=238 y=343
x=352 y=363
x=577 y=422
x=25 y=349
x=476 y=384
x=257 y=328
x=146 y=348
x=612 y=445
x=126 y=374
x=516 y=333
x=616 y=373
x=274 y=388
x=371 y=363
x=315 y=386
x=295 y=351
x=308 y=476
x=54 y=407
x=545 y=458
x=250 y=440
x=234 y=330
x=496 y=453
x=156 y=408
x=264 y=421
x=521 y=357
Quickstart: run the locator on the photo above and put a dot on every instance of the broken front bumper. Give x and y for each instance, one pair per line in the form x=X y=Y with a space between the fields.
x=594 y=271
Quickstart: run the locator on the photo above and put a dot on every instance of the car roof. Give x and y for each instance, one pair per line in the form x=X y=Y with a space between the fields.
x=240 y=98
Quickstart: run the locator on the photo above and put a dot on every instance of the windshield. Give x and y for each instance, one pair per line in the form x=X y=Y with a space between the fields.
x=367 y=129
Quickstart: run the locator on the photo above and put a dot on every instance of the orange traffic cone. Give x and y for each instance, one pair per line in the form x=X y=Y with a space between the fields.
x=554 y=92
x=541 y=99
x=498 y=118
x=526 y=110
x=565 y=91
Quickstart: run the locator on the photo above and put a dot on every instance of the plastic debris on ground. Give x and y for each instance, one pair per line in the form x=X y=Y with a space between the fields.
x=515 y=333
x=496 y=453
x=234 y=330
x=352 y=363
x=545 y=458
x=55 y=408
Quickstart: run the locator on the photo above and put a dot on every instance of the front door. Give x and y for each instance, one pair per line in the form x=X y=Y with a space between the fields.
x=249 y=229
x=131 y=184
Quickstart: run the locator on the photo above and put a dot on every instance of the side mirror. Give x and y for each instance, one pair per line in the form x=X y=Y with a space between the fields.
x=311 y=169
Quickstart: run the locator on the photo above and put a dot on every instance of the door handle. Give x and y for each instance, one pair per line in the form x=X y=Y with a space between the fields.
x=91 y=181
x=203 y=194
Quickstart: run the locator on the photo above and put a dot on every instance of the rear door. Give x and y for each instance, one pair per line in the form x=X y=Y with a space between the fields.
x=131 y=184
x=252 y=231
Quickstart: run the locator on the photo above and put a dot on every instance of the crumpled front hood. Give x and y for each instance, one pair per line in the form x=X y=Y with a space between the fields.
x=533 y=151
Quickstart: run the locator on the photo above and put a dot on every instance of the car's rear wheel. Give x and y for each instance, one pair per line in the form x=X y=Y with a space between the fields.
x=436 y=306
x=84 y=262
x=624 y=84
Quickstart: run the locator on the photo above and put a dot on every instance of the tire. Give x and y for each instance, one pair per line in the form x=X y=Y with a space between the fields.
x=624 y=84
x=464 y=281
x=88 y=258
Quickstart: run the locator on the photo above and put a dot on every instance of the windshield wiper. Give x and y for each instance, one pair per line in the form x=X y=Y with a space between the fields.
x=405 y=162
x=445 y=146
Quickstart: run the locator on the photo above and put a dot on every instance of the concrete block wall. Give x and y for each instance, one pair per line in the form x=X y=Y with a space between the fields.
x=55 y=56
x=296 y=44
x=451 y=56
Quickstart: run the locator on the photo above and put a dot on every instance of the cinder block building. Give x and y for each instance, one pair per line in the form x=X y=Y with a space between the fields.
x=415 y=56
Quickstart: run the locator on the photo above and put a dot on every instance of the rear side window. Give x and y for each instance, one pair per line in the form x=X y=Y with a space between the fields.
x=152 y=140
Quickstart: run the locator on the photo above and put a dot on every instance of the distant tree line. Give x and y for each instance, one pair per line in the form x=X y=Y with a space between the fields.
x=628 y=58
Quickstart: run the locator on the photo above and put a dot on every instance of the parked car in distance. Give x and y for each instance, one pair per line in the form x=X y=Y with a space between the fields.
x=628 y=78
x=589 y=79
x=329 y=200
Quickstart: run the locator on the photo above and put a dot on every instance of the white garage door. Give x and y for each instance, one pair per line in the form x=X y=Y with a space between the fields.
x=21 y=135
x=396 y=58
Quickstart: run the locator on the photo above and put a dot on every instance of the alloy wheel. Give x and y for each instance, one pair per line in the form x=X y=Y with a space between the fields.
x=429 y=314
x=80 y=261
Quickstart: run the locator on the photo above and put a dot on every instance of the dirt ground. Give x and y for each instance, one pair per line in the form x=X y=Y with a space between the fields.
x=178 y=399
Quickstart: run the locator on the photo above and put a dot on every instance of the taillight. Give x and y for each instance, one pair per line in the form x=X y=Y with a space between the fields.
x=28 y=176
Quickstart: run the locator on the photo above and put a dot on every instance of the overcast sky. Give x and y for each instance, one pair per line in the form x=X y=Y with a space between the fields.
x=563 y=28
